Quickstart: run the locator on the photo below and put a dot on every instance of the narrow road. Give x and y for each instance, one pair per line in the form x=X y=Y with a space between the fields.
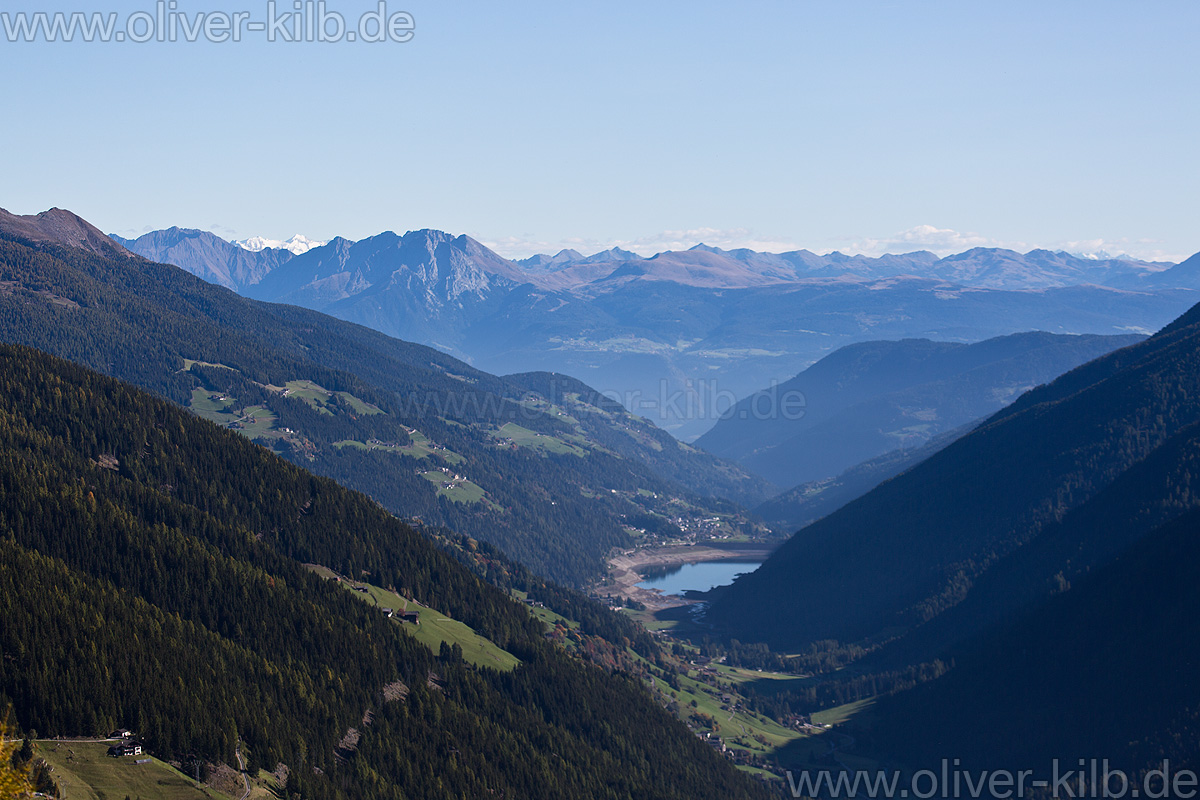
x=242 y=769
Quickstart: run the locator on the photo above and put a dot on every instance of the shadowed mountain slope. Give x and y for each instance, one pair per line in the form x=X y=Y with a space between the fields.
x=919 y=545
x=868 y=399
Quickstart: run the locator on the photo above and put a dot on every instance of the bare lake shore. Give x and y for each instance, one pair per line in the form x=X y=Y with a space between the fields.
x=626 y=568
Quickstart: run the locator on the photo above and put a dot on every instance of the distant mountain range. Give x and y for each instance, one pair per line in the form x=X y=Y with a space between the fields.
x=981 y=267
x=677 y=337
x=714 y=268
x=208 y=256
x=565 y=258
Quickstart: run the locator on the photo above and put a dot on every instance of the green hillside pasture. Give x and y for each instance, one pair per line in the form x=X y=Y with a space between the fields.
x=188 y=363
x=84 y=771
x=257 y=421
x=523 y=437
x=434 y=628
x=212 y=406
x=253 y=420
x=840 y=714
x=460 y=491
x=419 y=446
x=319 y=397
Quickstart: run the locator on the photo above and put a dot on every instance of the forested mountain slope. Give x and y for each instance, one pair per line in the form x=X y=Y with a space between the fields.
x=152 y=571
x=1103 y=670
x=804 y=504
x=869 y=399
x=606 y=422
x=421 y=432
x=908 y=558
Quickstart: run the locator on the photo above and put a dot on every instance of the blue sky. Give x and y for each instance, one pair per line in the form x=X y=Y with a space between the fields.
x=859 y=126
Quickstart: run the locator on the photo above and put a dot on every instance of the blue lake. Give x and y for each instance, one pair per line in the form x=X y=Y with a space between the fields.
x=700 y=577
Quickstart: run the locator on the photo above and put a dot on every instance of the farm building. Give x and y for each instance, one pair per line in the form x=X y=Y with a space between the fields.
x=122 y=750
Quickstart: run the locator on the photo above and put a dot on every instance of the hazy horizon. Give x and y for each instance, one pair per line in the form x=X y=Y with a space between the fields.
x=859 y=128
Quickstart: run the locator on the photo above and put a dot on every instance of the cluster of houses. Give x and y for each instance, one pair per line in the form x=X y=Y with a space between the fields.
x=705 y=665
x=454 y=479
x=709 y=527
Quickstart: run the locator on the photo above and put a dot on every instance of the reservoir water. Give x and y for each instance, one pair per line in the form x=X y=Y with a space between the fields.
x=700 y=577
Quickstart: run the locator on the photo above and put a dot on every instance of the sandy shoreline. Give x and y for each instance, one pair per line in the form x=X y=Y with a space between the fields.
x=625 y=569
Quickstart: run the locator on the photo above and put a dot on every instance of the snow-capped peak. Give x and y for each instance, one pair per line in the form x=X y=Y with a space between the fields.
x=296 y=245
x=1099 y=255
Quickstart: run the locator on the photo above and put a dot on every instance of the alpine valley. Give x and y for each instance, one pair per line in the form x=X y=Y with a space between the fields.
x=367 y=519
x=168 y=575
